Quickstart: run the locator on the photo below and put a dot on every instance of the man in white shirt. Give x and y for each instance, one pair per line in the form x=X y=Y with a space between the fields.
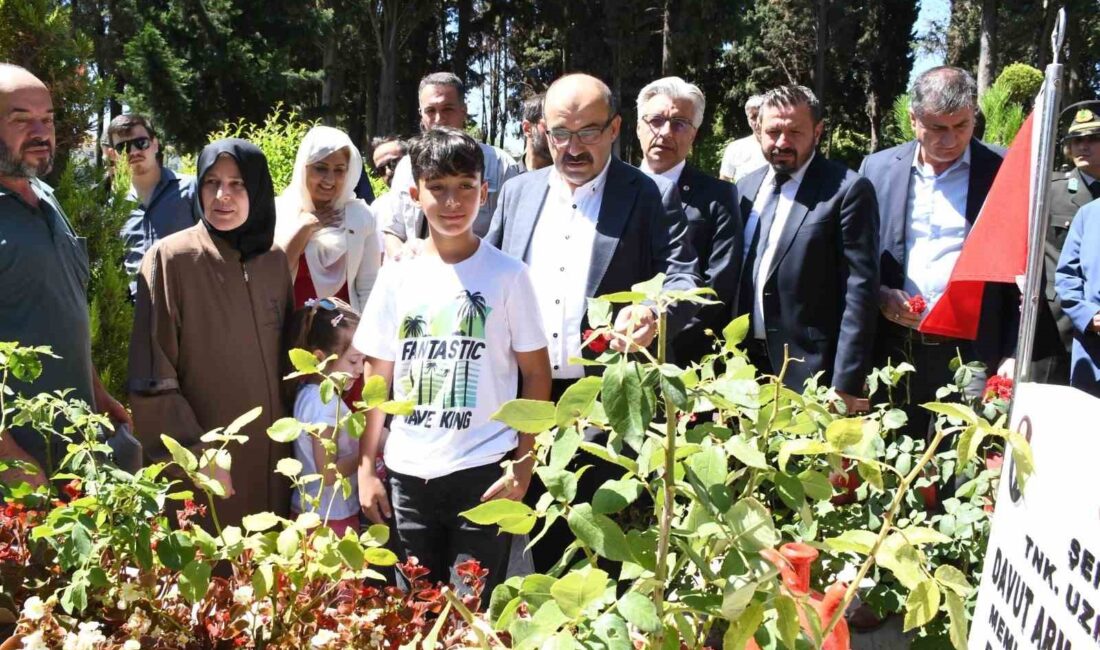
x=670 y=111
x=442 y=103
x=930 y=191
x=743 y=155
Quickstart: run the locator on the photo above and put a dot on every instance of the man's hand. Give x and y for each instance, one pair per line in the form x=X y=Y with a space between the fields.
x=373 y=500
x=108 y=405
x=894 y=305
x=854 y=404
x=512 y=484
x=637 y=324
x=1095 y=324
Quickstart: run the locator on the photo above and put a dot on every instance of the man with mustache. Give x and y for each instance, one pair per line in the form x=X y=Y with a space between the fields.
x=162 y=198
x=930 y=191
x=43 y=273
x=587 y=226
x=810 y=277
x=536 y=151
x=670 y=111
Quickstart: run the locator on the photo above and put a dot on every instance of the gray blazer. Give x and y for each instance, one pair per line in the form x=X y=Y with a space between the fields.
x=641 y=231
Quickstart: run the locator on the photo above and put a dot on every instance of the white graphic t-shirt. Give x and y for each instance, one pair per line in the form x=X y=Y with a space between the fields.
x=451 y=331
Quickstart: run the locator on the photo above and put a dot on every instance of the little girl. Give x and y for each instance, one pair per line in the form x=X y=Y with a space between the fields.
x=325 y=327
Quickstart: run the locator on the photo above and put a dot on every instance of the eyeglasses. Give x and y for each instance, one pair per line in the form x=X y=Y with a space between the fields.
x=388 y=166
x=141 y=144
x=677 y=125
x=588 y=135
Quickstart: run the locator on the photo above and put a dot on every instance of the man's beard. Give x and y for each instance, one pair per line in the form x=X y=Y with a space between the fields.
x=540 y=146
x=13 y=166
x=784 y=167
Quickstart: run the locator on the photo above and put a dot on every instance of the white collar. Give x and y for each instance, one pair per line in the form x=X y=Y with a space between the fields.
x=672 y=173
x=796 y=176
x=594 y=186
x=926 y=169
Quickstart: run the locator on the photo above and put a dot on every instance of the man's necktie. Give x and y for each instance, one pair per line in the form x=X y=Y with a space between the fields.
x=759 y=244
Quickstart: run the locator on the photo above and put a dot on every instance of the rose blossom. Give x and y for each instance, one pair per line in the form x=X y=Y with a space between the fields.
x=34 y=608
x=916 y=305
x=997 y=387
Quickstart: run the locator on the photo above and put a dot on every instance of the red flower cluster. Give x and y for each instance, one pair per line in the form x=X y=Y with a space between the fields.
x=916 y=305
x=188 y=512
x=599 y=344
x=997 y=387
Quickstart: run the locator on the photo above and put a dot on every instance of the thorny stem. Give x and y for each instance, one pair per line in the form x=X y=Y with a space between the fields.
x=887 y=524
x=669 y=483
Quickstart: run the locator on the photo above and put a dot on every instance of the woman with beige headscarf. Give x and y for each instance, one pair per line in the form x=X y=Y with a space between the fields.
x=330 y=237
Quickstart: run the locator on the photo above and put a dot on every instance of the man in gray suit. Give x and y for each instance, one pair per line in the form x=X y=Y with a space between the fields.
x=587 y=226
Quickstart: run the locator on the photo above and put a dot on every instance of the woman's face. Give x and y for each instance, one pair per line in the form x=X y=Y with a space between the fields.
x=325 y=178
x=224 y=197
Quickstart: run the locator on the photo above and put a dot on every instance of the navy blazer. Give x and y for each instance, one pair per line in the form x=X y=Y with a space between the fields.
x=821 y=291
x=1078 y=285
x=718 y=235
x=890 y=171
x=641 y=231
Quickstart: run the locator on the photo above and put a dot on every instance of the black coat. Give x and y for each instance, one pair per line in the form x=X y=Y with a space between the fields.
x=820 y=293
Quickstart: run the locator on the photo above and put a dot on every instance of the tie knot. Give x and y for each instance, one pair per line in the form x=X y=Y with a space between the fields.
x=778 y=180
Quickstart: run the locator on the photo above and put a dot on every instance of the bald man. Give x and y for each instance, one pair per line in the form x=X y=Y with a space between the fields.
x=587 y=226
x=43 y=270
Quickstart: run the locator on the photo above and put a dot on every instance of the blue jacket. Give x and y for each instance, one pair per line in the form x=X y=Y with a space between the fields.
x=1077 y=282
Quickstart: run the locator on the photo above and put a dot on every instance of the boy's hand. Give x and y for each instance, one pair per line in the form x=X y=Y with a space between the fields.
x=373 y=499
x=512 y=484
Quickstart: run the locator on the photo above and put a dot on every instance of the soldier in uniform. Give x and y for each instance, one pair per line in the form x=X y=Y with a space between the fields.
x=1069 y=192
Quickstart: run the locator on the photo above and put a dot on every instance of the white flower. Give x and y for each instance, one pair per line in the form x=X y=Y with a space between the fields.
x=138 y=623
x=131 y=644
x=323 y=638
x=128 y=594
x=377 y=637
x=243 y=595
x=35 y=642
x=34 y=609
x=87 y=638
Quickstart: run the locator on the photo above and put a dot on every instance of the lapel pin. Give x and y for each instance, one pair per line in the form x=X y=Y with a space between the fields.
x=1072 y=184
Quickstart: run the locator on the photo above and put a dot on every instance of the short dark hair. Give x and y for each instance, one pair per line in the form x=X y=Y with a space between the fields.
x=123 y=124
x=443 y=151
x=532 y=108
x=943 y=89
x=793 y=95
x=443 y=79
x=380 y=140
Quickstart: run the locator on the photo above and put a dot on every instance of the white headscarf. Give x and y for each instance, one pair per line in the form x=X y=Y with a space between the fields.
x=326 y=250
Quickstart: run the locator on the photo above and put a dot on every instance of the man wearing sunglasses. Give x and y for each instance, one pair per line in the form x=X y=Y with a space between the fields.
x=670 y=111
x=590 y=225
x=162 y=199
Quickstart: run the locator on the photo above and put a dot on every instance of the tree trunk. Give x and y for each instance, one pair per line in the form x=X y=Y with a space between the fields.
x=987 y=41
x=330 y=89
x=874 y=116
x=461 y=59
x=387 y=83
x=666 y=40
x=822 y=46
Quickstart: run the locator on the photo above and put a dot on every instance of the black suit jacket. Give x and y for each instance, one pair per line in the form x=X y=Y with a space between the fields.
x=820 y=293
x=717 y=234
x=890 y=171
x=641 y=231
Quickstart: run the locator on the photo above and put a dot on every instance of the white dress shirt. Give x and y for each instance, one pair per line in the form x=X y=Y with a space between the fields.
x=559 y=257
x=782 y=210
x=742 y=157
x=672 y=173
x=936 y=226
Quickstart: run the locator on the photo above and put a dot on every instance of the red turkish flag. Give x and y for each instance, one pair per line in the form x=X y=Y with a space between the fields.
x=996 y=248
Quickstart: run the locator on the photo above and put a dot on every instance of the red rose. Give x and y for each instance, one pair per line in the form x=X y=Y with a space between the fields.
x=997 y=387
x=598 y=344
x=916 y=305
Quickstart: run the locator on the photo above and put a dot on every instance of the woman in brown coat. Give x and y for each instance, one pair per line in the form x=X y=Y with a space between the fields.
x=208 y=325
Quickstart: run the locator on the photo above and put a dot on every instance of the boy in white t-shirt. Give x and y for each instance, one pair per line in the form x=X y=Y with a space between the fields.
x=451 y=330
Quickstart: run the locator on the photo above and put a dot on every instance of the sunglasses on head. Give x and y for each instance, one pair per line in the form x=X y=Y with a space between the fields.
x=322 y=303
x=141 y=144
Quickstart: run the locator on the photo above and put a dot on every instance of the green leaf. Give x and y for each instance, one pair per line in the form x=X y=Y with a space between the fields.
x=652 y=287
x=612 y=630
x=969 y=442
x=263 y=579
x=918 y=535
x=577 y=401
x=640 y=612
x=902 y=559
x=752 y=525
x=953 y=580
x=403 y=408
x=599 y=313
x=503 y=512
x=180 y=454
x=787 y=620
x=957 y=622
x=1021 y=456
x=560 y=483
x=285 y=430
x=870 y=472
x=800 y=447
x=709 y=465
x=816 y=485
x=746 y=625
x=380 y=556
x=176 y=551
x=565 y=445
x=579 y=589
x=194 y=581
x=304 y=361
x=613 y=496
x=623 y=399
x=598 y=533
x=922 y=604
x=351 y=552
x=844 y=432
x=259 y=522
x=894 y=419
x=789 y=489
x=527 y=415
x=240 y=423
x=599 y=451
x=624 y=296
x=288 y=542
x=327 y=390
x=375 y=391
x=954 y=411
x=853 y=541
x=749 y=455
x=736 y=331
x=674 y=389
x=289 y=467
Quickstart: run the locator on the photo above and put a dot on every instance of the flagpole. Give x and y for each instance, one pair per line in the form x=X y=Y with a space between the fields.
x=1039 y=213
